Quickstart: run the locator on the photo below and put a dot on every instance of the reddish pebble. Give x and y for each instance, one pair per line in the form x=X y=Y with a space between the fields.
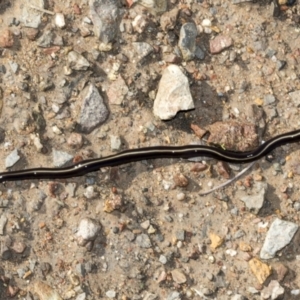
x=6 y=39
x=77 y=10
x=75 y=140
x=220 y=43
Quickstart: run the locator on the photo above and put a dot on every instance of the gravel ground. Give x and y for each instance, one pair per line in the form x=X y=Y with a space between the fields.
x=85 y=79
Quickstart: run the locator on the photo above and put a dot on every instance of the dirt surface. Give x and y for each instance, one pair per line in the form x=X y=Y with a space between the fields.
x=156 y=236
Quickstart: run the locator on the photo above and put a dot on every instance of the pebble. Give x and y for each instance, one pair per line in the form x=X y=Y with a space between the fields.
x=89 y=192
x=6 y=39
x=18 y=246
x=14 y=66
x=168 y=19
x=87 y=230
x=274 y=291
x=261 y=270
x=81 y=296
x=256 y=201
x=142 y=50
x=149 y=296
x=3 y=221
x=93 y=110
x=279 y=235
x=115 y=143
x=173 y=296
x=163 y=259
x=143 y=241
x=238 y=297
x=269 y=99
x=45 y=39
x=59 y=20
x=216 y=241
x=11 y=159
x=178 y=276
x=117 y=91
x=44 y=291
x=111 y=294
x=187 y=42
x=219 y=43
x=77 y=61
x=180 y=235
x=295 y=97
x=105 y=15
x=60 y=158
x=75 y=140
x=173 y=94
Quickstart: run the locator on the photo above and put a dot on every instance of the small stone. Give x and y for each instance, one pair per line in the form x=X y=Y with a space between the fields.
x=255 y=201
x=173 y=94
x=273 y=290
x=59 y=20
x=6 y=39
x=89 y=192
x=220 y=43
x=93 y=111
x=11 y=159
x=216 y=241
x=143 y=241
x=115 y=202
x=142 y=50
x=223 y=169
x=178 y=276
x=77 y=61
x=269 y=99
x=168 y=19
x=245 y=247
x=45 y=39
x=115 y=143
x=87 y=230
x=261 y=270
x=60 y=158
x=180 y=180
x=14 y=66
x=281 y=270
x=3 y=221
x=180 y=235
x=18 y=246
x=81 y=296
x=117 y=91
x=145 y=224
x=75 y=140
x=139 y=23
x=279 y=235
x=44 y=291
x=163 y=259
x=31 y=33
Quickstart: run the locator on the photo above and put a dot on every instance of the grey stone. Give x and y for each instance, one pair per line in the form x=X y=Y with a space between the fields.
x=60 y=158
x=14 y=66
x=93 y=110
x=173 y=94
x=149 y=296
x=174 y=296
x=77 y=61
x=163 y=259
x=11 y=159
x=3 y=221
x=106 y=17
x=45 y=39
x=31 y=17
x=255 y=201
x=180 y=235
x=295 y=97
x=115 y=143
x=143 y=240
x=269 y=99
x=279 y=235
x=111 y=294
x=142 y=50
x=81 y=296
x=187 y=42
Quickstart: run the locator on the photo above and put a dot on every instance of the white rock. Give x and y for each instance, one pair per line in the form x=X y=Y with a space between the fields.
x=173 y=94
x=206 y=23
x=11 y=159
x=88 y=229
x=279 y=235
x=59 y=20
